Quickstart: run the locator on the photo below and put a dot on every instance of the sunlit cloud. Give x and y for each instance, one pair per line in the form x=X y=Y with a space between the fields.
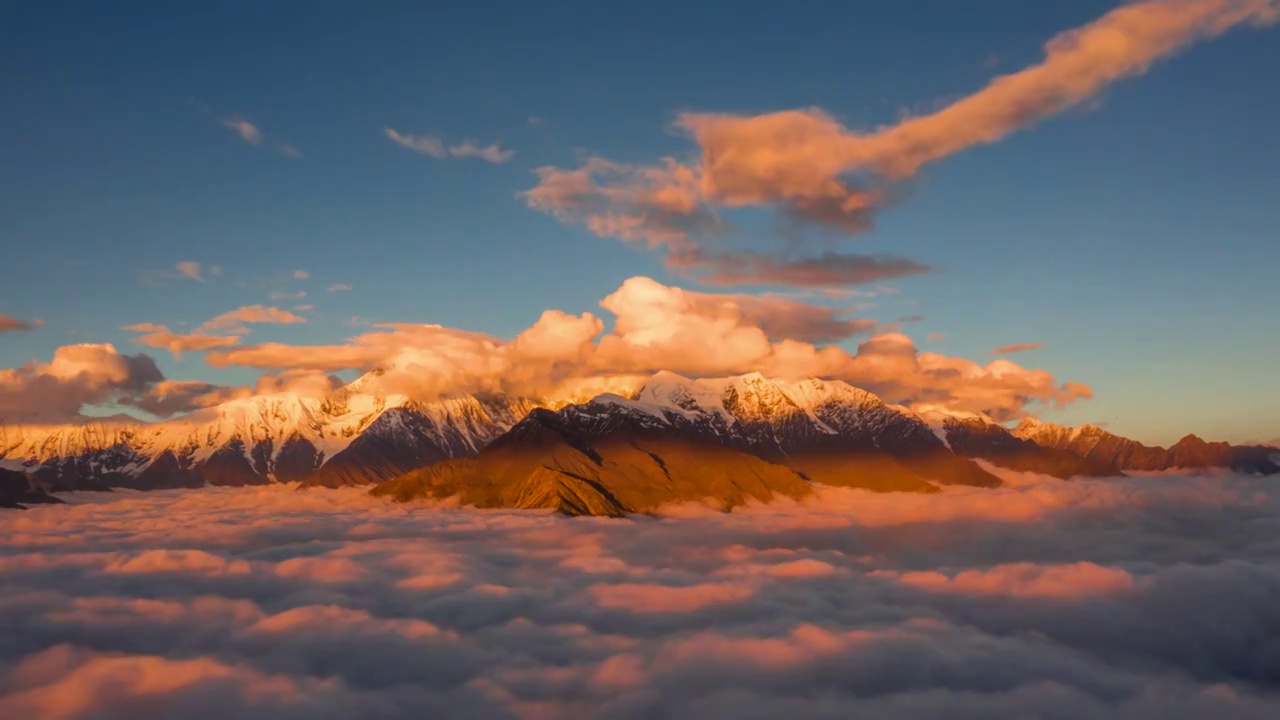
x=233 y=321
x=247 y=131
x=301 y=274
x=658 y=327
x=811 y=169
x=13 y=324
x=1015 y=348
x=159 y=336
x=190 y=269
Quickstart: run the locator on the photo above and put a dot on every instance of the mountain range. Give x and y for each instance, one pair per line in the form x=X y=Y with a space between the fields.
x=672 y=439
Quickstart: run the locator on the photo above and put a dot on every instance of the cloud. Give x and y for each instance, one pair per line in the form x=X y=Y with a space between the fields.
x=159 y=336
x=173 y=397
x=304 y=308
x=827 y=270
x=284 y=295
x=425 y=144
x=333 y=604
x=492 y=153
x=12 y=324
x=435 y=147
x=190 y=269
x=77 y=375
x=234 y=320
x=811 y=169
x=301 y=274
x=1025 y=580
x=339 y=287
x=658 y=327
x=247 y=131
x=1016 y=348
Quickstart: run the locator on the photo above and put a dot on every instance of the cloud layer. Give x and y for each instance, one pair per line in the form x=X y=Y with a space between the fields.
x=810 y=168
x=1040 y=599
x=657 y=327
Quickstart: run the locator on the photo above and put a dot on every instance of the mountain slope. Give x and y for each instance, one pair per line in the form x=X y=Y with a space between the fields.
x=546 y=462
x=978 y=437
x=17 y=490
x=726 y=439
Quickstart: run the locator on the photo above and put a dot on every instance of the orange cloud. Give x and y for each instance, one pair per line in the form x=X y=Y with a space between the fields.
x=171 y=397
x=12 y=324
x=1015 y=348
x=77 y=375
x=159 y=336
x=658 y=327
x=255 y=314
x=810 y=167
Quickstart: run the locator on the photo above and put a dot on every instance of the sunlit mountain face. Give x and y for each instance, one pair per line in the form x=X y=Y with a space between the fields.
x=586 y=361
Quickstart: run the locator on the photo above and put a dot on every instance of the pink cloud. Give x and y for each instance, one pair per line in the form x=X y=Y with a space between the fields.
x=12 y=324
x=1011 y=349
x=1024 y=580
x=649 y=598
x=159 y=336
x=252 y=314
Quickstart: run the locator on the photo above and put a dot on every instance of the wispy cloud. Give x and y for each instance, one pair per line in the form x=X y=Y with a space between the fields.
x=339 y=287
x=251 y=314
x=1015 y=348
x=190 y=269
x=489 y=153
x=247 y=131
x=253 y=135
x=159 y=336
x=283 y=295
x=435 y=147
x=13 y=324
x=301 y=274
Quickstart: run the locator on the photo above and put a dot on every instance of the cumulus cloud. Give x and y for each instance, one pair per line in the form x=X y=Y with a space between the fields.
x=1015 y=348
x=172 y=397
x=658 y=327
x=190 y=269
x=77 y=375
x=436 y=148
x=1042 y=598
x=810 y=168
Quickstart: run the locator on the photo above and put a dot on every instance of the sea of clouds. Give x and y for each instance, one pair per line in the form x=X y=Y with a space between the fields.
x=1153 y=597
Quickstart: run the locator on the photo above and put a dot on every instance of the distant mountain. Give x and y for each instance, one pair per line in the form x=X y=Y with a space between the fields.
x=349 y=437
x=1097 y=445
x=726 y=439
x=17 y=490
x=817 y=430
x=980 y=437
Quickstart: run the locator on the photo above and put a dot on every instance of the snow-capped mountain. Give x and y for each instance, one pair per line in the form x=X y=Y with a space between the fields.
x=829 y=431
x=343 y=438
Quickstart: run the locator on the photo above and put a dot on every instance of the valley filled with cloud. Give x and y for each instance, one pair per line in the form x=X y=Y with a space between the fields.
x=1142 y=597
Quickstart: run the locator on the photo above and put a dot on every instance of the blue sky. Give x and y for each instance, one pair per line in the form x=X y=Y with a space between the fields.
x=1134 y=237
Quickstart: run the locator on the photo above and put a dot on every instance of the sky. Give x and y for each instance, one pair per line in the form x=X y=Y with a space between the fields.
x=1106 y=211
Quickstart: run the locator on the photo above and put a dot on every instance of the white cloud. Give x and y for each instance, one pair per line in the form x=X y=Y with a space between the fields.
x=435 y=147
x=339 y=287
